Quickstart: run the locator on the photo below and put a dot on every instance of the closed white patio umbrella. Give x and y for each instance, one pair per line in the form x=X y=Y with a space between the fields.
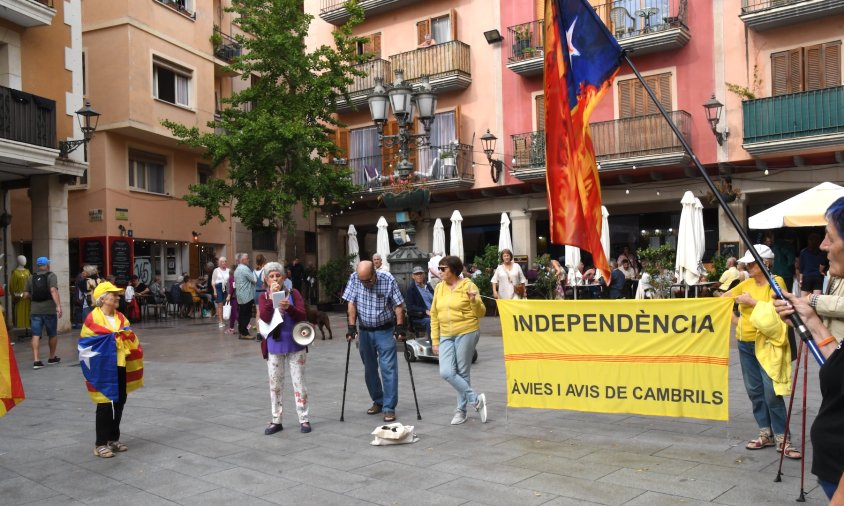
x=439 y=237
x=383 y=241
x=687 y=259
x=504 y=239
x=700 y=232
x=456 y=244
x=354 y=249
x=605 y=237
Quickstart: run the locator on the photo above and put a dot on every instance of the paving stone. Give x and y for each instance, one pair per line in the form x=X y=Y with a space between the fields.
x=563 y=465
x=307 y=494
x=407 y=475
x=576 y=488
x=22 y=490
x=490 y=493
x=638 y=462
x=223 y=498
x=658 y=499
x=667 y=484
x=326 y=478
x=397 y=492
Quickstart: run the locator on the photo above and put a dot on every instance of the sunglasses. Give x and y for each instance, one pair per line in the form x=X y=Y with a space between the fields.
x=443 y=268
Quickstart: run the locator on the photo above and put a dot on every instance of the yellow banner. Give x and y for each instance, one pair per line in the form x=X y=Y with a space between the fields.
x=648 y=357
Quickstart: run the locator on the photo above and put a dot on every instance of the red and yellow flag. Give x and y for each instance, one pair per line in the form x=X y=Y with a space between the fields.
x=11 y=388
x=581 y=60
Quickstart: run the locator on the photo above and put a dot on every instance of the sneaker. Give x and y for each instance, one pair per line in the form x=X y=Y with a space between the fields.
x=272 y=429
x=246 y=337
x=37 y=365
x=54 y=360
x=459 y=417
x=221 y=325
x=480 y=407
x=305 y=427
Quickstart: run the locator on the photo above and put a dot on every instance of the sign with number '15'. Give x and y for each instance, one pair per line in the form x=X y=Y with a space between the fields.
x=648 y=357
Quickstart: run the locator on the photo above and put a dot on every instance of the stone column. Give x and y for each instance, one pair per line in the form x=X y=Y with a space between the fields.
x=424 y=234
x=726 y=230
x=523 y=230
x=49 y=234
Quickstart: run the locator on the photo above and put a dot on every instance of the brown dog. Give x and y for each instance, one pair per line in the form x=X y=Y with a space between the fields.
x=319 y=319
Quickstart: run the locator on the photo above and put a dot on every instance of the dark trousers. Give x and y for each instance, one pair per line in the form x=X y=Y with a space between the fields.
x=244 y=314
x=109 y=414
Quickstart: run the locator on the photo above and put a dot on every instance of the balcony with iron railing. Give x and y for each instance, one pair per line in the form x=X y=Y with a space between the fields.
x=526 y=49
x=335 y=12
x=766 y=14
x=433 y=167
x=28 y=13
x=646 y=141
x=362 y=86
x=27 y=129
x=647 y=26
x=180 y=6
x=225 y=47
x=447 y=65
x=805 y=120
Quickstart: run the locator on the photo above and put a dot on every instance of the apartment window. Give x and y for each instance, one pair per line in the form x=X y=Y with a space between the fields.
x=310 y=242
x=146 y=171
x=539 y=104
x=441 y=28
x=171 y=82
x=263 y=238
x=806 y=68
x=370 y=49
x=204 y=173
x=633 y=100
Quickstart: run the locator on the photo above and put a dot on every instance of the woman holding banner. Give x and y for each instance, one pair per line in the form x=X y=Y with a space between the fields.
x=455 y=330
x=827 y=437
x=764 y=354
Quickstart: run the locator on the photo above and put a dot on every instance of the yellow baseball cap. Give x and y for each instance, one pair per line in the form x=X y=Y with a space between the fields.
x=104 y=287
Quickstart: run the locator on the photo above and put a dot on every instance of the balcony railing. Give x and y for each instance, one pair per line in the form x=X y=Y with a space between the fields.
x=642 y=137
x=335 y=12
x=797 y=116
x=27 y=118
x=432 y=167
x=228 y=49
x=647 y=25
x=639 y=136
x=179 y=6
x=527 y=41
x=763 y=15
x=447 y=65
x=46 y=3
x=362 y=85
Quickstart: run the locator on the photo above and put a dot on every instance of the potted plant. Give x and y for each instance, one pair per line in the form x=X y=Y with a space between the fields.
x=727 y=191
x=522 y=35
x=448 y=156
x=527 y=52
x=216 y=38
x=333 y=276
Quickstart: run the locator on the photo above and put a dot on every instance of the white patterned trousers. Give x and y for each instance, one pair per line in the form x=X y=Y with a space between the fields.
x=276 y=363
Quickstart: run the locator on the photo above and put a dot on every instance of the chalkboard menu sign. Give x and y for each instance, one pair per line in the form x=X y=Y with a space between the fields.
x=93 y=253
x=121 y=260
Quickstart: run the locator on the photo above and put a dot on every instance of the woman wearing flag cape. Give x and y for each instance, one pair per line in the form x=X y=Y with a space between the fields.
x=112 y=362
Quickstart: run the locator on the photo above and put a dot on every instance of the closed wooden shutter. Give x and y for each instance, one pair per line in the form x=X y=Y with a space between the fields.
x=795 y=70
x=423 y=28
x=540 y=112
x=814 y=68
x=832 y=63
x=341 y=138
x=372 y=47
x=457 y=123
x=779 y=73
x=625 y=98
x=633 y=100
x=823 y=65
x=453 y=24
x=539 y=9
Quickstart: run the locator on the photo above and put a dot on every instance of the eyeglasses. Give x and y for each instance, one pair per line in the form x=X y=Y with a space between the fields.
x=443 y=268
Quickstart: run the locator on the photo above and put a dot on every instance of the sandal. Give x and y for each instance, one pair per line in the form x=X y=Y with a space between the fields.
x=374 y=410
x=763 y=441
x=117 y=446
x=790 y=451
x=389 y=417
x=103 y=452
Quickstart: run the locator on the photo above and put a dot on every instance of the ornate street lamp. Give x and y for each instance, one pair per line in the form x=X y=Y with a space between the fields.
x=405 y=104
x=495 y=166
x=88 y=119
x=713 y=116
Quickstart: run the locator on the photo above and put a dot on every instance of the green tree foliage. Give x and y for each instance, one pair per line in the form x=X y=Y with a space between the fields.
x=278 y=131
x=545 y=286
x=334 y=274
x=486 y=263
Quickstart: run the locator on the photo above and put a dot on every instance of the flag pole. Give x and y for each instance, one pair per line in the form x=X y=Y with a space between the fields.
x=796 y=321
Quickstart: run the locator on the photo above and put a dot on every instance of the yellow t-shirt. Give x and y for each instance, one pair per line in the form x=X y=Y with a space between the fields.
x=745 y=331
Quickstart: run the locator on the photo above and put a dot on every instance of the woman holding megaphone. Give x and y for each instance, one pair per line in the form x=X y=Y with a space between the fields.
x=277 y=320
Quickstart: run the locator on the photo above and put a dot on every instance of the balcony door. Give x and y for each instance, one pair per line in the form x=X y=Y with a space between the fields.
x=364 y=153
x=444 y=131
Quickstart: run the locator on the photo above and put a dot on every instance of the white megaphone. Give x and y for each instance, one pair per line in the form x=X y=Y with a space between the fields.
x=304 y=333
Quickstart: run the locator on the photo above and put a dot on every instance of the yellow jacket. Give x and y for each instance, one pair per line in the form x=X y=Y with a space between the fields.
x=452 y=313
x=772 y=348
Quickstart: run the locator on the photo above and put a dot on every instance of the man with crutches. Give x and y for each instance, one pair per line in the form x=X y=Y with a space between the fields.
x=376 y=315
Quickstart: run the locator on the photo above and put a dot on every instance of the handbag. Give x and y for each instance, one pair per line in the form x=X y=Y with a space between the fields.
x=520 y=289
x=227 y=310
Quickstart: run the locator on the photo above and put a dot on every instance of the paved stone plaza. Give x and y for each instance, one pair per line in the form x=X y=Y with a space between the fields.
x=195 y=434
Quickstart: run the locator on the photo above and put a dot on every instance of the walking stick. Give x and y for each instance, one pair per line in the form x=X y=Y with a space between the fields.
x=412 y=384
x=790 y=406
x=802 y=497
x=345 y=379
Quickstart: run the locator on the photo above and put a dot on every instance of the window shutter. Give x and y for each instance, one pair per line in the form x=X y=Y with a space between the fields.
x=375 y=39
x=540 y=112
x=639 y=104
x=832 y=64
x=795 y=70
x=539 y=9
x=341 y=138
x=625 y=99
x=779 y=73
x=814 y=68
x=423 y=28
x=665 y=91
x=453 y=24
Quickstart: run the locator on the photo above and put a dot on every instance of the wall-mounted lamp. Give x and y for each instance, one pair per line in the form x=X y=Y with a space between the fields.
x=495 y=166
x=493 y=36
x=195 y=235
x=88 y=119
x=713 y=116
x=122 y=230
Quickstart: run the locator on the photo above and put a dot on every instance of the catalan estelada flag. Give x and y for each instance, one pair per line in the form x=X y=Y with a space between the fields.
x=581 y=59
x=102 y=350
x=11 y=388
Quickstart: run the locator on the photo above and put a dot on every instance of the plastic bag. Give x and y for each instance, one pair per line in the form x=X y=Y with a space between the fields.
x=227 y=311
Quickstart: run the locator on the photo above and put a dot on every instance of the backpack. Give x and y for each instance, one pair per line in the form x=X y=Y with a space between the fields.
x=41 y=287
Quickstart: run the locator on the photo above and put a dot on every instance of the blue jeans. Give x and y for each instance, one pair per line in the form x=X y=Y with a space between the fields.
x=828 y=487
x=455 y=363
x=85 y=312
x=44 y=325
x=378 y=349
x=768 y=407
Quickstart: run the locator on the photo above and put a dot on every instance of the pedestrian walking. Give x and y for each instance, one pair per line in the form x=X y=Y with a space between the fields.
x=45 y=310
x=244 y=290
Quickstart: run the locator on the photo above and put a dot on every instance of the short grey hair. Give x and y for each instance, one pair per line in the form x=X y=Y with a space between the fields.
x=239 y=257
x=378 y=256
x=273 y=267
x=221 y=259
x=613 y=264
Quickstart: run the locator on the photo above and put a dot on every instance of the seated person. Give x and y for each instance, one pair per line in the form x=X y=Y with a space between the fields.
x=625 y=268
x=429 y=41
x=617 y=280
x=419 y=297
x=189 y=288
x=156 y=291
x=202 y=289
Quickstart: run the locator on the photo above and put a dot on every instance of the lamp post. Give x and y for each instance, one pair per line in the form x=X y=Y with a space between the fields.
x=495 y=166
x=713 y=116
x=88 y=119
x=405 y=103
